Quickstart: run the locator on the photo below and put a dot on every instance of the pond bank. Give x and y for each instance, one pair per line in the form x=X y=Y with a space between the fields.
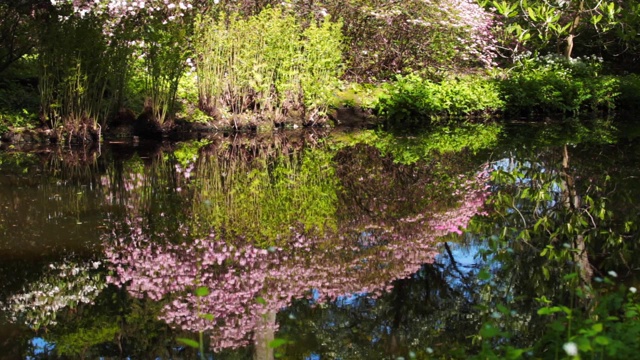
x=133 y=129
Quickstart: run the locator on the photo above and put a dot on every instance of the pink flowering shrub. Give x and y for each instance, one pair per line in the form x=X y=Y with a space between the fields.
x=387 y=38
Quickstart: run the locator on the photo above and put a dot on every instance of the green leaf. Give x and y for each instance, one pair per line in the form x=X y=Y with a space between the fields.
x=202 y=291
x=489 y=331
x=602 y=340
x=260 y=300
x=549 y=310
x=484 y=274
x=503 y=309
x=209 y=317
x=597 y=327
x=189 y=342
x=545 y=272
x=583 y=344
x=277 y=342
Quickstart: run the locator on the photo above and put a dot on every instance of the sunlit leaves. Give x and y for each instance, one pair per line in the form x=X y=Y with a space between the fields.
x=202 y=291
x=189 y=342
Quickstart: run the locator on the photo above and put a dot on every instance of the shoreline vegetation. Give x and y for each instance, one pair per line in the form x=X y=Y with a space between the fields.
x=76 y=72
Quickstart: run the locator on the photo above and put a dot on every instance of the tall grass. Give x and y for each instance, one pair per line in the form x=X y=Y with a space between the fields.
x=267 y=62
x=164 y=48
x=79 y=68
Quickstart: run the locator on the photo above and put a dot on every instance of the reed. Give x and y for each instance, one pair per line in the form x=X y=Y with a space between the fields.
x=265 y=62
x=163 y=65
x=79 y=67
x=321 y=65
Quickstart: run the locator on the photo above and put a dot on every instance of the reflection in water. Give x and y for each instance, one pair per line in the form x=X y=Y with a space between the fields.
x=327 y=251
x=65 y=284
x=248 y=283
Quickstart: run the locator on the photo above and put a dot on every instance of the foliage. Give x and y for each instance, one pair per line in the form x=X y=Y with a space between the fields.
x=264 y=198
x=17 y=31
x=76 y=343
x=415 y=34
x=356 y=95
x=19 y=95
x=412 y=100
x=81 y=71
x=554 y=84
x=64 y=285
x=553 y=219
x=266 y=62
x=163 y=47
x=187 y=97
x=629 y=97
x=239 y=287
x=553 y=27
x=388 y=38
x=409 y=150
x=609 y=329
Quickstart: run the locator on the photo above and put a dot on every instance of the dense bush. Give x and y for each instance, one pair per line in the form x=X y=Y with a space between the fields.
x=75 y=62
x=629 y=97
x=557 y=85
x=387 y=38
x=549 y=85
x=412 y=100
x=96 y=57
x=608 y=28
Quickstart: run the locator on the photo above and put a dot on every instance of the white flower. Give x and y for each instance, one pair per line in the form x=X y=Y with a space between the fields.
x=612 y=273
x=570 y=348
x=633 y=290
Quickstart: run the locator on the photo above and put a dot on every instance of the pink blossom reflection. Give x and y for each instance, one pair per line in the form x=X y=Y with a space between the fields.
x=247 y=284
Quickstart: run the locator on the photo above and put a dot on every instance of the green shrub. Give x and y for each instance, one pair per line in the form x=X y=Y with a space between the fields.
x=629 y=97
x=412 y=100
x=557 y=85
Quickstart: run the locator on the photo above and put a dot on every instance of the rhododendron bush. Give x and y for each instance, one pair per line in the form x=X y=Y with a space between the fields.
x=384 y=36
x=245 y=283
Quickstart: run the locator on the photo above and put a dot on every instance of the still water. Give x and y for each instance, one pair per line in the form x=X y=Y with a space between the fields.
x=338 y=245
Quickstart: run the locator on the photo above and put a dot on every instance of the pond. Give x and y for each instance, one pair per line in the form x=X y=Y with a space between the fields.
x=315 y=245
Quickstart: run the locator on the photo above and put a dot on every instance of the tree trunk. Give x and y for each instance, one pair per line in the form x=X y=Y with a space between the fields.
x=573 y=202
x=265 y=333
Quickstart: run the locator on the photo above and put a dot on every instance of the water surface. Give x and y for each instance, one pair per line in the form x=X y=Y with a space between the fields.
x=303 y=245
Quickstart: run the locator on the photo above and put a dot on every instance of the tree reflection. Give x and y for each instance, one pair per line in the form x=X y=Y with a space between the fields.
x=553 y=217
x=248 y=284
